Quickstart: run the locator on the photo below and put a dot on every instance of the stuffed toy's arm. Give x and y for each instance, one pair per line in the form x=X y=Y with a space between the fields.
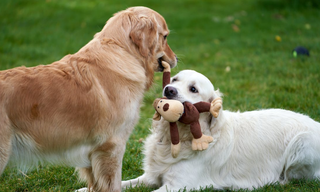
x=213 y=107
x=166 y=66
x=202 y=106
x=166 y=74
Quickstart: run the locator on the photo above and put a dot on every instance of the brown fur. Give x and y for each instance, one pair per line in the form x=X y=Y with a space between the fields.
x=81 y=109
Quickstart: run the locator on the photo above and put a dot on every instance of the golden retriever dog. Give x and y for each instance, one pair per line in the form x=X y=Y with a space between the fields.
x=249 y=149
x=79 y=111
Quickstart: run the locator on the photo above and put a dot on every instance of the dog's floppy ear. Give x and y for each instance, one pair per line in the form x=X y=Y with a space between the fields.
x=216 y=94
x=143 y=34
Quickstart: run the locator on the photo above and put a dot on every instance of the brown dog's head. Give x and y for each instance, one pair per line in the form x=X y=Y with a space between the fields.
x=149 y=33
x=142 y=32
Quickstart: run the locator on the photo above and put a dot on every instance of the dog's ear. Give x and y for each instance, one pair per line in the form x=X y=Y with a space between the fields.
x=216 y=94
x=143 y=34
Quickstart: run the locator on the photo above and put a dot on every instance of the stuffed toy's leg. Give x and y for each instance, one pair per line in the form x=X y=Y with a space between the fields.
x=175 y=149
x=215 y=107
x=200 y=141
x=175 y=141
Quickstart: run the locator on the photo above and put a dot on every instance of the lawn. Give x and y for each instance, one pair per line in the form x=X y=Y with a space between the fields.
x=243 y=47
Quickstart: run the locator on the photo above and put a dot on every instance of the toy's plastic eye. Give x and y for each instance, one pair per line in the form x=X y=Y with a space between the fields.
x=193 y=89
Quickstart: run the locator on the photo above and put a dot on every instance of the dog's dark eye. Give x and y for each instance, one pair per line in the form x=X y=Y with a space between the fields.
x=193 y=89
x=174 y=79
x=165 y=37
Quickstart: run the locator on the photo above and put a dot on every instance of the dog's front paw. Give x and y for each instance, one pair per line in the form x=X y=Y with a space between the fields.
x=175 y=150
x=202 y=143
x=215 y=107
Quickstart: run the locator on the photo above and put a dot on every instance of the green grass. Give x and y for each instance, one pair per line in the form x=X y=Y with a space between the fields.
x=208 y=36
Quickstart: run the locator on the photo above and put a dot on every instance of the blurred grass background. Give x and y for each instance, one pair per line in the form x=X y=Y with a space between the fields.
x=243 y=47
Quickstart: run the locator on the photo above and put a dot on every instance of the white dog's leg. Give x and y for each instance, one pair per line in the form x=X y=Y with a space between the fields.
x=132 y=183
x=82 y=190
x=147 y=180
x=317 y=174
x=302 y=157
x=166 y=188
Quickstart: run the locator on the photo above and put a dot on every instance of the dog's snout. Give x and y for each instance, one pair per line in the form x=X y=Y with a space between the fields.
x=170 y=92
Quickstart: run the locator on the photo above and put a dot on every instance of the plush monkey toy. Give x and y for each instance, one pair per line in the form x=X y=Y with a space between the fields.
x=187 y=113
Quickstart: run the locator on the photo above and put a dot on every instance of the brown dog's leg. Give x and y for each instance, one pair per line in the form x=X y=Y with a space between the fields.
x=85 y=174
x=5 y=151
x=106 y=163
x=5 y=143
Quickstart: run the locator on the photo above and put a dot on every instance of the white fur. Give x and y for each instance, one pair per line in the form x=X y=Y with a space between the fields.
x=249 y=150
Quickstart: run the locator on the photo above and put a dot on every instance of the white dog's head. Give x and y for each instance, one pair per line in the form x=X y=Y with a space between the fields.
x=191 y=86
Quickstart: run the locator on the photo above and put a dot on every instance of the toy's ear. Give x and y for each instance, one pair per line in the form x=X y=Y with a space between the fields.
x=156 y=116
x=155 y=103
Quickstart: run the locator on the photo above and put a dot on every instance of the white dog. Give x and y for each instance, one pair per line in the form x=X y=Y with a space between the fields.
x=249 y=150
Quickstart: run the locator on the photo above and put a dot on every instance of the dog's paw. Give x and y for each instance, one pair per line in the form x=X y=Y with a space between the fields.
x=175 y=149
x=202 y=143
x=215 y=107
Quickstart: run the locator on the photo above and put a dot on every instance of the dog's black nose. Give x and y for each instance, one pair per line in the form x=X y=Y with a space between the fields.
x=170 y=92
